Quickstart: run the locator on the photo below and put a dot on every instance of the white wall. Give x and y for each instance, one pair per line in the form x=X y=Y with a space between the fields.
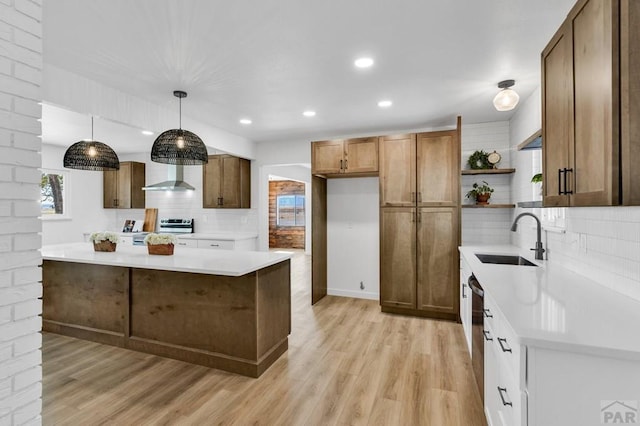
x=20 y=274
x=353 y=236
x=487 y=226
x=80 y=94
x=83 y=193
x=602 y=243
x=188 y=203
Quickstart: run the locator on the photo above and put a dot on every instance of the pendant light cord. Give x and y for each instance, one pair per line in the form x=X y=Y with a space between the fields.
x=180 y=126
x=92 y=128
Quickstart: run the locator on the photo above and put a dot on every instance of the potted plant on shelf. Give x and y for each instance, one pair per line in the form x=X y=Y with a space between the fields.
x=104 y=241
x=161 y=244
x=480 y=192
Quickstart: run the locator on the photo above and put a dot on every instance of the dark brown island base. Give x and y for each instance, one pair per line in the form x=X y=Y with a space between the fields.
x=226 y=318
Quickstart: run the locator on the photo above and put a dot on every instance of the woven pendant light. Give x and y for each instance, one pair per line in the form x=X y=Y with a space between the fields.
x=179 y=146
x=91 y=155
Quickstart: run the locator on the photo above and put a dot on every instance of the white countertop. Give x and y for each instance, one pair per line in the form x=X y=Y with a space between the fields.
x=550 y=306
x=225 y=236
x=200 y=261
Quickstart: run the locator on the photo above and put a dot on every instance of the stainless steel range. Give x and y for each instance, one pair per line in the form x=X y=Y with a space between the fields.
x=167 y=226
x=176 y=226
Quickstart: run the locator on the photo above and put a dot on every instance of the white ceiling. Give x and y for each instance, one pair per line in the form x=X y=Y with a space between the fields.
x=270 y=60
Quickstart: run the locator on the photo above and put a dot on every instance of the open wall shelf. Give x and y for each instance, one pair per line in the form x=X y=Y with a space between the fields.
x=488 y=171
x=488 y=206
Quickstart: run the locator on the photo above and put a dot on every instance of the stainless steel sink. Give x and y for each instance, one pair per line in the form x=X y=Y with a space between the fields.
x=502 y=259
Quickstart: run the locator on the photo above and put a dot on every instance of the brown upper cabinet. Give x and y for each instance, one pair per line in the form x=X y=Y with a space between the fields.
x=591 y=106
x=226 y=183
x=343 y=158
x=420 y=170
x=122 y=189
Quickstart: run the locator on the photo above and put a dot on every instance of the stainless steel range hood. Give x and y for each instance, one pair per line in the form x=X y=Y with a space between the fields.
x=174 y=183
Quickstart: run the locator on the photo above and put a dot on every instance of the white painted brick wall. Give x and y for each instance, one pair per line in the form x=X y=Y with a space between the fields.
x=20 y=240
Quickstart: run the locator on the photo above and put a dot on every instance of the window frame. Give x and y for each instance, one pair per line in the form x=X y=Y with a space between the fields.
x=66 y=192
x=295 y=197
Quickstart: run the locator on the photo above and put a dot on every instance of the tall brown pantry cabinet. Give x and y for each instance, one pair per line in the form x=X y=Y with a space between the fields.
x=420 y=223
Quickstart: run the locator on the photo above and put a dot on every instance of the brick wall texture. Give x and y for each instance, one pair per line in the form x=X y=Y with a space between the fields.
x=284 y=236
x=20 y=240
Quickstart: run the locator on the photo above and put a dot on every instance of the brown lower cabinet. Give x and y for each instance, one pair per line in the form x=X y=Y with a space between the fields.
x=418 y=249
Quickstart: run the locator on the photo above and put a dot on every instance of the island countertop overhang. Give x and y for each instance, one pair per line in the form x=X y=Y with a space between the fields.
x=202 y=261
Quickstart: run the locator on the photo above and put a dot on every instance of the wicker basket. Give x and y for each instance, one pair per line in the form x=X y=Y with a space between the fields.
x=161 y=249
x=104 y=246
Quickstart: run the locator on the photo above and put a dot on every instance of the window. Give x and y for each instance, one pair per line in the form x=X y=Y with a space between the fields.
x=53 y=194
x=290 y=210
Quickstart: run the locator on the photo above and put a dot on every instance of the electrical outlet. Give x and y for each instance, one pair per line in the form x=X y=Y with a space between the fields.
x=361 y=285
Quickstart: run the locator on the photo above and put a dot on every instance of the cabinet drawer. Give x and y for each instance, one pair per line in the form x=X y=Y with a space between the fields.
x=216 y=244
x=509 y=351
x=508 y=400
x=187 y=242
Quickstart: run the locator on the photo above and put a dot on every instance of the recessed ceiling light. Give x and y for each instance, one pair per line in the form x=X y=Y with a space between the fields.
x=245 y=121
x=147 y=132
x=363 y=62
x=385 y=104
x=309 y=113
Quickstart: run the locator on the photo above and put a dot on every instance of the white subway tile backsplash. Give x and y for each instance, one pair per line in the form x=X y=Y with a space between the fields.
x=611 y=255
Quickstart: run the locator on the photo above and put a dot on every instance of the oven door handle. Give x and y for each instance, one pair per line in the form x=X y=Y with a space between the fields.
x=475 y=286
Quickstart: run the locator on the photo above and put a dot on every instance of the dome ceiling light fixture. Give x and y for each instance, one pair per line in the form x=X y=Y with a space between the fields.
x=179 y=146
x=507 y=98
x=91 y=155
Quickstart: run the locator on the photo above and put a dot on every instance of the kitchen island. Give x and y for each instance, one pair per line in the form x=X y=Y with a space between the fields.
x=229 y=310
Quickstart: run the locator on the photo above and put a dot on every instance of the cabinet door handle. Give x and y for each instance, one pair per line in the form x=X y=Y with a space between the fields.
x=464 y=293
x=565 y=181
x=340 y=164
x=501 y=341
x=502 y=392
x=419 y=196
x=419 y=217
x=413 y=217
x=487 y=337
x=487 y=313
x=413 y=197
x=346 y=164
x=560 y=171
x=219 y=201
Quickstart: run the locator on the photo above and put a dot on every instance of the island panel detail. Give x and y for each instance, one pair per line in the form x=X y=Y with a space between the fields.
x=238 y=324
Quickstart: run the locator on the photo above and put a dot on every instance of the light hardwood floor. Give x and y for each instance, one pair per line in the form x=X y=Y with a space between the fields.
x=347 y=363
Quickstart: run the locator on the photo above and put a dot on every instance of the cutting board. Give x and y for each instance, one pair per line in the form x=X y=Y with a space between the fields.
x=150 y=220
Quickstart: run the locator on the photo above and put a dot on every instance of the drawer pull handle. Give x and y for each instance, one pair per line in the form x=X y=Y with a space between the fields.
x=215 y=245
x=486 y=336
x=507 y=349
x=504 y=401
x=182 y=244
x=487 y=313
x=464 y=293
